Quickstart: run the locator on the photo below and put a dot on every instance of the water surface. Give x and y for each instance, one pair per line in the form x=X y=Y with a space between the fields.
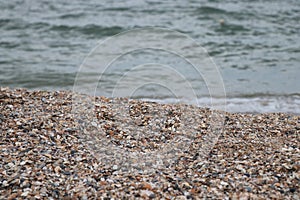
x=257 y=48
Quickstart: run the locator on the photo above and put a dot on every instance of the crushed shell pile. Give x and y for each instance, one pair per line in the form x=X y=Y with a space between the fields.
x=46 y=153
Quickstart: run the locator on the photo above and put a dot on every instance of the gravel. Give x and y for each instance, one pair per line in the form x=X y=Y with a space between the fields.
x=56 y=148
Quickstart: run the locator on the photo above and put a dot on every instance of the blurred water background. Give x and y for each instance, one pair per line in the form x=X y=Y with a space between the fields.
x=256 y=44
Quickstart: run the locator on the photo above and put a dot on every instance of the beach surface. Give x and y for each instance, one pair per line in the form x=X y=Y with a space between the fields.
x=48 y=149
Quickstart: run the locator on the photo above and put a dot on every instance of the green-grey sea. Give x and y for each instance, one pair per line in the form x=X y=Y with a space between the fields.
x=255 y=44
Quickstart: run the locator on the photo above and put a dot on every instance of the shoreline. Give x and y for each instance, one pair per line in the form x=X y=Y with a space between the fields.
x=43 y=153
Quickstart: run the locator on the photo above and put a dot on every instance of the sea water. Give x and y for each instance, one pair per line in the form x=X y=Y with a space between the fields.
x=254 y=44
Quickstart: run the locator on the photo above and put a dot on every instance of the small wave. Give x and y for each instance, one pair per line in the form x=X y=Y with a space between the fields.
x=117 y=9
x=258 y=104
x=91 y=30
x=210 y=10
x=153 y=11
x=11 y=24
x=3 y=22
x=205 y=11
x=38 y=25
x=9 y=45
x=100 y=30
x=17 y=24
x=231 y=29
x=70 y=16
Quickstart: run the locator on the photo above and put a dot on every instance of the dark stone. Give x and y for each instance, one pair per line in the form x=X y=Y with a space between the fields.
x=73 y=152
x=67 y=173
x=248 y=189
x=2 y=117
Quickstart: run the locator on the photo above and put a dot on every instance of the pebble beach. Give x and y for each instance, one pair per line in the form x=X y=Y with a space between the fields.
x=45 y=154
